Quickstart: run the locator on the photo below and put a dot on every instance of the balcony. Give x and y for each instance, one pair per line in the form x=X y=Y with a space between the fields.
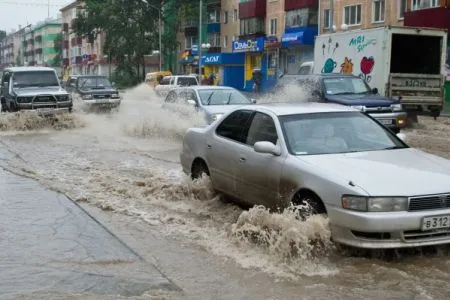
x=78 y=59
x=252 y=8
x=190 y=27
x=438 y=17
x=297 y=4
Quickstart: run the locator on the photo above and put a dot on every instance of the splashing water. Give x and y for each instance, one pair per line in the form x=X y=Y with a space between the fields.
x=142 y=115
x=289 y=92
x=29 y=120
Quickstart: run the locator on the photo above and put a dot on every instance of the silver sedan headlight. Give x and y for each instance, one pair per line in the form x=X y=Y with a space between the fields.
x=374 y=204
x=87 y=97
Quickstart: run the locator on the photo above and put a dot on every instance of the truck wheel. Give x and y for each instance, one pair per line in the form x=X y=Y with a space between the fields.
x=3 y=105
x=411 y=118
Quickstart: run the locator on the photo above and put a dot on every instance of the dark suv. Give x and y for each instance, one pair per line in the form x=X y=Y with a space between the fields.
x=349 y=90
x=35 y=88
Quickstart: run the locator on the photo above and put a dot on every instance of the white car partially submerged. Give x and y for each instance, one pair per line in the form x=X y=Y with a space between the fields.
x=377 y=191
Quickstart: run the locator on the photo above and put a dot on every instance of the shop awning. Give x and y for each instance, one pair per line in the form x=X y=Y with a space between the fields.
x=302 y=36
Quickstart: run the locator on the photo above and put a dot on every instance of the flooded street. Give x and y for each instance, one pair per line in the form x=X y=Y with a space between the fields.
x=123 y=168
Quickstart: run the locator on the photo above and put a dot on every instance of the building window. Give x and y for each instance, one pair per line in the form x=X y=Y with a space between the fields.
x=352 y=14
x=214 y=39
x=273 y=27
x=225 y=17
x=423 y=4
x=378 y=11
x=225 y=41
x=401 y=8
x=190 y=41
x=252 y=26
x=326 y=18
x=301 y=17
x=235 y=15
x=214 y=16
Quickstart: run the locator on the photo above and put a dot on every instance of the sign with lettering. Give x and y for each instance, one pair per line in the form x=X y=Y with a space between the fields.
x=250 y=45
x=212 y=59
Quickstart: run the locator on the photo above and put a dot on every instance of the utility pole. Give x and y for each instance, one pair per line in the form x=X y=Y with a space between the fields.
x=200 y=43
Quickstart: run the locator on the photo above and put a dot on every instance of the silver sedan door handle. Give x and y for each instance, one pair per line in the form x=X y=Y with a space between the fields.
x=242 y=158
x=209 y=146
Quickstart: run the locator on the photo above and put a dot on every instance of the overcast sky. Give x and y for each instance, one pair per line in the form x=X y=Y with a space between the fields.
x=22 y=12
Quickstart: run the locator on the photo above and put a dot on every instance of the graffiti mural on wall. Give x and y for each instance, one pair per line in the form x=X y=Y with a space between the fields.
x=330 y=49
x=367 y=64
x=347 y=66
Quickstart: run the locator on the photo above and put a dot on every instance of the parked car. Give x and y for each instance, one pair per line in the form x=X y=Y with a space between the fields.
x=170 y=82
x=376 y=191
x=96 y=92
x=213 y=101
x=350 y=90
x=33 y=88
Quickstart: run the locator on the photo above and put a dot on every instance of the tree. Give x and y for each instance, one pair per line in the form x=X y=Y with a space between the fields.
x=57 y=43
x=2 y=34
x=129 y=28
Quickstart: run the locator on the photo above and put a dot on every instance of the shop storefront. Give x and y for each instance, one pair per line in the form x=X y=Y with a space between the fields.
x=227 y=69
x=261 y=62
x=297 y=47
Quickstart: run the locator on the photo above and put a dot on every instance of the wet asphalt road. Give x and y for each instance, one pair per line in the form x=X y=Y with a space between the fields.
x=49 y=245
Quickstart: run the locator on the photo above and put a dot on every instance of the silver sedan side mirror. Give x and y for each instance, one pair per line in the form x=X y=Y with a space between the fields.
x=266 y=147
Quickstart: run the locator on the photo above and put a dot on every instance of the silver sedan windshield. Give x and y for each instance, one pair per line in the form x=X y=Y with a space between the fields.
x=222 y=97
x=340 y=132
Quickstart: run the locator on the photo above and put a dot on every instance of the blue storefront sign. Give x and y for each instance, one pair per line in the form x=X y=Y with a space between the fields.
x=299 y=36
x=250 y=45
x=223 y=59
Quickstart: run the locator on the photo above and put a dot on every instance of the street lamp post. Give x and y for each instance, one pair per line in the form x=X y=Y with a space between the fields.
x=200 y=43
x=159 y=31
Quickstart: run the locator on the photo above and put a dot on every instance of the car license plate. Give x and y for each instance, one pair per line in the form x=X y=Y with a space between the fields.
x=44 y=110
x=436 y=222
x=386 y=122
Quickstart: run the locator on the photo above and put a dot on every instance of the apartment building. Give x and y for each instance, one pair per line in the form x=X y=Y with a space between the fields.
x=80 y=55
x=7 y=57
x=39 y=44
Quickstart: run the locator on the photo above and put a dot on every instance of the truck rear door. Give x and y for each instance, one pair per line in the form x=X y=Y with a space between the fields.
x=416 y=68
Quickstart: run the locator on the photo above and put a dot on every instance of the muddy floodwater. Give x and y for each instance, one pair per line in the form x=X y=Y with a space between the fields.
x=124 y=168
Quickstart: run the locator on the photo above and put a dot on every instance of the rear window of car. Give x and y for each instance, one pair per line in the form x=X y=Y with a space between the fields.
x=165 y=81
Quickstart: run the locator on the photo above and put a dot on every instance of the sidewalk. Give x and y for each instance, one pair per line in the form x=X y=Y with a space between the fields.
x=49 y=245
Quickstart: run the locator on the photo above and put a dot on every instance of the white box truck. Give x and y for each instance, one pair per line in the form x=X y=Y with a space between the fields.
x=405 y=62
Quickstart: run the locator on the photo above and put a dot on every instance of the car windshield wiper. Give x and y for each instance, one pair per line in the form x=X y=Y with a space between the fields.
x=343 y=93
x=208 y=101
x=393 y=147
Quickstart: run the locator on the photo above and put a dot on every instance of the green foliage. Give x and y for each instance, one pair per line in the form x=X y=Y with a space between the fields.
x=130 y=28
x=2 y=34
x=57 y=43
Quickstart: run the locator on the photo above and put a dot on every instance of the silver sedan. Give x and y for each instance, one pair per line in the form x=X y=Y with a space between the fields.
x=212 y=101
x=376 y=191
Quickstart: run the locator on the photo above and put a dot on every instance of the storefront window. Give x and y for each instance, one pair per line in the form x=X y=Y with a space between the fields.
x=301 y=17
x=252 y=26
